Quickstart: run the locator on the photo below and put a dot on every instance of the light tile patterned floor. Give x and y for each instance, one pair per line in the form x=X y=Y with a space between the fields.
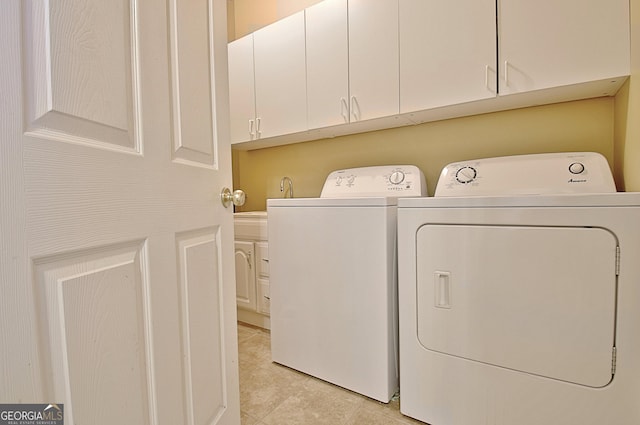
x=271 y=394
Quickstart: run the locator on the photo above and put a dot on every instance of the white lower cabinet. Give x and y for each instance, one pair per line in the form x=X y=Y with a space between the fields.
x=245 y=275
x=263 y=296
x=262 y=277
x=252 y=269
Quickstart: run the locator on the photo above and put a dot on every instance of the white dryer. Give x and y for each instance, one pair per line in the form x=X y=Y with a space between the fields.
x=519 y=293
x=333 y=278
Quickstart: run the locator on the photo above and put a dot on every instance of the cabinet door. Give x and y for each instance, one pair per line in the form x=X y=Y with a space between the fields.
x=241 y=89
x=264 y=299
x=262 y=259
x=245 y=275
x=373 y=58
x=550 y=43
x=327 y=63
x=280 y=77
x=447 y=52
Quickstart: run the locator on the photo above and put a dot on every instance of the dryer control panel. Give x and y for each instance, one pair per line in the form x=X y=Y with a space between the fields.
x=386 y=180
x=538 y=174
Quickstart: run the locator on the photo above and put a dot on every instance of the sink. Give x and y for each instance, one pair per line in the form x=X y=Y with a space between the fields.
x=250 y=225
x=251 y=214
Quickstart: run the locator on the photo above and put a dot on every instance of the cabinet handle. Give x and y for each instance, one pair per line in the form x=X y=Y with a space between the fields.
x=486 y=77
x=258 y=131
x=251 y=129
x=249 y=254
x=344 y=109
x=506 y=73
x=355 y=109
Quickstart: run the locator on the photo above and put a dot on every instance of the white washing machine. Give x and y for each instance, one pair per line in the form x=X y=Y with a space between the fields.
x=519 y=294
x=333 y=278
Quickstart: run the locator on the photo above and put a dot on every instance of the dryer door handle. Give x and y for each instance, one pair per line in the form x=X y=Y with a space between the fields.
x=442 y=289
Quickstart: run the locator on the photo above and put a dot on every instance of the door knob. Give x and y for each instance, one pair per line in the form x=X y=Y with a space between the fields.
x=236 y=198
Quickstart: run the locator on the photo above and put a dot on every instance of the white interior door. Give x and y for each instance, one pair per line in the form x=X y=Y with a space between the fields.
x=116 y=267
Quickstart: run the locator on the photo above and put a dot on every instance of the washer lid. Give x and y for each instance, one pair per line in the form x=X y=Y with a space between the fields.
x=387 y=180
x=554 y=173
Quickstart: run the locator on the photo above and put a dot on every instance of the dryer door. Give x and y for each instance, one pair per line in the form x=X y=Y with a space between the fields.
x=540 y=300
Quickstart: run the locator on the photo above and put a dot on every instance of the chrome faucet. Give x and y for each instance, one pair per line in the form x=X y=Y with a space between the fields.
x=287 y=179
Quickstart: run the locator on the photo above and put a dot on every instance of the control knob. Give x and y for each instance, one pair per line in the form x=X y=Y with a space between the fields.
x=396 y=177
x=576 y=168
x=466 y=174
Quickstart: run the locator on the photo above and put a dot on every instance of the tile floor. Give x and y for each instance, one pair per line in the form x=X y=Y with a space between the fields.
x=271 y=394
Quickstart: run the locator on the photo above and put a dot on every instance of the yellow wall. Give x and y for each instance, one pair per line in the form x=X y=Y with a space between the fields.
x=627 y=115
x=250 y=15
x=610 y=126
x=573 y=126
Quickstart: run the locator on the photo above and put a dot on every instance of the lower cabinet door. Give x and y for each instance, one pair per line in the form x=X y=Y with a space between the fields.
x=245 y=275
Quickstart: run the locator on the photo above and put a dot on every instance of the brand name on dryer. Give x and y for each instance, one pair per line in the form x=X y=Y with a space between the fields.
x=577 y=181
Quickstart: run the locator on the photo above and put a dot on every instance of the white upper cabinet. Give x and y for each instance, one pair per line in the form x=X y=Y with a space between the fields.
x=280 y=77
x=447 y=52
x=327 y=63
x=352 y=61
x=242 y=104
x=267 y=81
x=373 y=59
x=347 y=66
x=551 y=43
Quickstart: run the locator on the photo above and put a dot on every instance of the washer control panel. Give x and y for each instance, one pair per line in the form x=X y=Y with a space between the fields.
x=385 y=180
x=538 y=174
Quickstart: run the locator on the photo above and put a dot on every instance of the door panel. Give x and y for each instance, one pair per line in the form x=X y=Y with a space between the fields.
x=93 y=307
x=81 y=72
x=540 y=300
x=202 y=326
x=193 y=90
x=115 y=247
